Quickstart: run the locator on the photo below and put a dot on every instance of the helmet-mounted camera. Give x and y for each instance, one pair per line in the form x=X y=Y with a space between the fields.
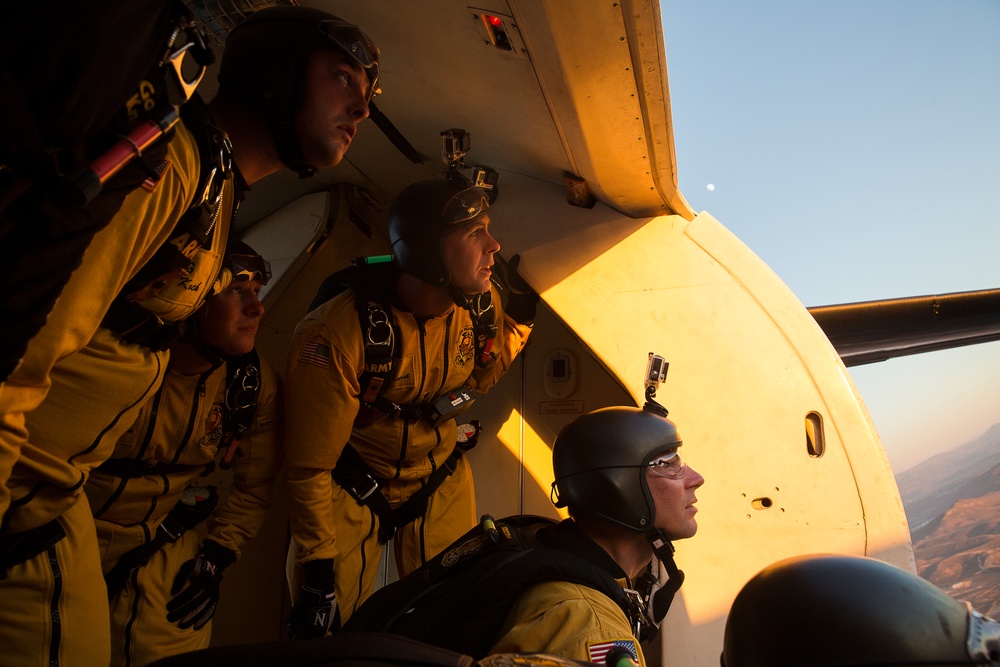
x=656 y=374
x=455 y=145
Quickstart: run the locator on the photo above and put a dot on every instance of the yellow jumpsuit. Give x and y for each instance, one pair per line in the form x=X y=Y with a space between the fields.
x=75 y=391
x=322 y=388
x=570 y=620
x=181 y=425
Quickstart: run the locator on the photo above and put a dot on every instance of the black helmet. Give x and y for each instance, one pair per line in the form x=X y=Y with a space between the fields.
x=264 y=64
x=850 y=610
x=600 y=460
x=422 y=214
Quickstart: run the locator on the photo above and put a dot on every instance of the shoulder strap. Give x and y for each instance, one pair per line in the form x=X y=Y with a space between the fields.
x=242 y=389
x=371 y=285
x=378 y=329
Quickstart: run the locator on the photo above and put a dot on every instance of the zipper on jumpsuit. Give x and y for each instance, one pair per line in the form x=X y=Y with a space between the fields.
x=194 y=415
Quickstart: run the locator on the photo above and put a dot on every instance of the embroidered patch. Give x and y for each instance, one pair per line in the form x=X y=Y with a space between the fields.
x=466 y=348
x=599 y=652
x=468 y=547
x=315 y=353
x=213 y=427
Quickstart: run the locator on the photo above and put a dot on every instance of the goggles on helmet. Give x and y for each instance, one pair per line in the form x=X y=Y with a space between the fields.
x=465 y=206
x=247 y=268
x=356 y=44
x=669 y=465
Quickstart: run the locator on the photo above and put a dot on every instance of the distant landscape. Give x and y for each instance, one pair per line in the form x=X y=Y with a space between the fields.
x=952 y=503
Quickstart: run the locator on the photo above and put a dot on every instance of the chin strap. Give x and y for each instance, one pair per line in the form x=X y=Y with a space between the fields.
x=189 y=335
x=460 y=298
x=290 y=149
x=660 y=596
x=212 y=355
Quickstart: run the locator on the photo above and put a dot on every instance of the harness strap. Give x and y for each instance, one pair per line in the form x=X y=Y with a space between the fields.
x=17 y=548
x=483 y=328
x=408 y=411
x=182 y=518
x=354 y=476
x=378 y=330
x=379 y=334
x=656 y=599
x=242 y=386
x=133 y=468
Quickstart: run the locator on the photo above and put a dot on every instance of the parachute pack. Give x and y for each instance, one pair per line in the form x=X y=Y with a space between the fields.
x=82 y=82
x=460 y=599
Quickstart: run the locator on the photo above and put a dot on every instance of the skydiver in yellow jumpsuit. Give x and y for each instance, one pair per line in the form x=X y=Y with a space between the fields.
x=390 y=446
x=629 y=494
x=83 y=377
x=584 y=589
x=163 y=578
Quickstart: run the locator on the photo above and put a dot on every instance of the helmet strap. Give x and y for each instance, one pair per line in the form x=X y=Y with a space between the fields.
x=286 y=140
x=212 y=355
x=190 y=334
x=663 y=549
x=460 y=298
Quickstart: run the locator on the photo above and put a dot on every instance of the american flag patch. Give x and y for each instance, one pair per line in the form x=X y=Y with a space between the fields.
x=152 y=181
x=315 y=353
x=599 y=652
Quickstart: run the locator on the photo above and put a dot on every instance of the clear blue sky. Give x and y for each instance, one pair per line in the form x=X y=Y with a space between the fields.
x=855 y=147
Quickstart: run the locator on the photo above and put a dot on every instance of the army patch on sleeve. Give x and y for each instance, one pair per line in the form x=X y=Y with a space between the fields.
x=599 y=652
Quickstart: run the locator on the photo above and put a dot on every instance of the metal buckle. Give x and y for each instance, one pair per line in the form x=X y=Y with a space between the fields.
x=364 y=496
x=477 y=308
x=176 y=60
x=243 y=396
x=172 y=534
x=379 y=327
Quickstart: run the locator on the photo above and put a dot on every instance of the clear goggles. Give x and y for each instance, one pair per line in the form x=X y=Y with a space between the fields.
x=349 y=38
x=464 y=206
x=247 y=268
x=669 y=465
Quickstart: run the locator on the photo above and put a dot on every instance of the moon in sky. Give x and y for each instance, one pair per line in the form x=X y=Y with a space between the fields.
x=710 y=187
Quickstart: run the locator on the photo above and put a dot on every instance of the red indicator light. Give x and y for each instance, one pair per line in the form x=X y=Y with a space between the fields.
x=496 y=31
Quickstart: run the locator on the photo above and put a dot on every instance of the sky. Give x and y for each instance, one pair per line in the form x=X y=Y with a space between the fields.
x=855 y=147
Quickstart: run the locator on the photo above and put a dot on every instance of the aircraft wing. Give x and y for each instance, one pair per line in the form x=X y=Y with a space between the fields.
x=871 y=331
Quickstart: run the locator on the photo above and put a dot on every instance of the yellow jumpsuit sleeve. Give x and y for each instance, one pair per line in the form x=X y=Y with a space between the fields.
x=511 y=339
x=141 y=226
x=321 y=402
x=239 y=516
x=564 y=619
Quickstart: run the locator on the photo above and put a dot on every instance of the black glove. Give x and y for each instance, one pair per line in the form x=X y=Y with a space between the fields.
x=315 y=610
x=521 y=300
x=196 y=603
